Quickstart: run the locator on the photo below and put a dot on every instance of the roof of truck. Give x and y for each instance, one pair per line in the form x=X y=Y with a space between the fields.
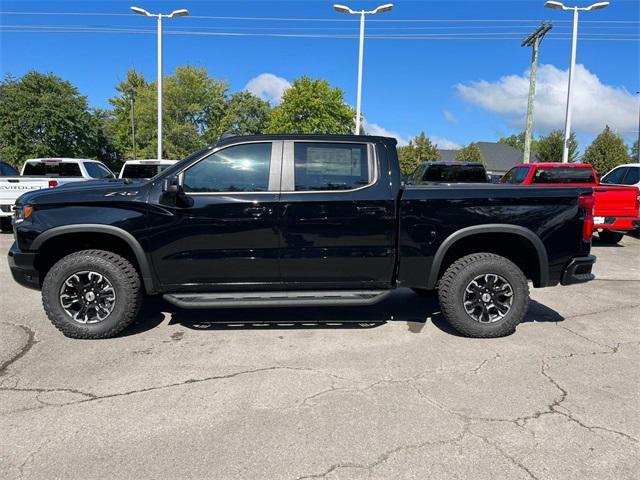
x=555 y=165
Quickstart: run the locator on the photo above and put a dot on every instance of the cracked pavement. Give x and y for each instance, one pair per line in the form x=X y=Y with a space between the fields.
x=381 y=392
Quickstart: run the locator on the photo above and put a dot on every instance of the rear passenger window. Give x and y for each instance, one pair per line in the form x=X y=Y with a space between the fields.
x=614 y=176
x=564 y=175
x=632 y=177
x=240 y=168
x=331 y=166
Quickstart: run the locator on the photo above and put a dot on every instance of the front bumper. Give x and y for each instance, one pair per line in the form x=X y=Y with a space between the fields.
x=23 y=268
x=578 y=270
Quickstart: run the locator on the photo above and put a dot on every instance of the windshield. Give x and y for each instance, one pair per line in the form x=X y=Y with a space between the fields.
x=142 y=171
x=564 y=175
x=455 y=174
x=59 y=169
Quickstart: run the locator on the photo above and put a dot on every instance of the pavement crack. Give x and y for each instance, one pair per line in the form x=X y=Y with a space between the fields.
x=511 y=459
x=31 y=341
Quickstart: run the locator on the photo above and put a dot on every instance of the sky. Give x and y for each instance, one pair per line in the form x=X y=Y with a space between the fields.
x=453 y=69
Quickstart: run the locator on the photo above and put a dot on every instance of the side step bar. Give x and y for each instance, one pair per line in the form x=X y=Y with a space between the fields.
x=276 y=299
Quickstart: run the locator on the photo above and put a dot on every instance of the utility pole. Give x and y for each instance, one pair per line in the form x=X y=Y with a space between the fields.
x=533 y=40
x=133 y=124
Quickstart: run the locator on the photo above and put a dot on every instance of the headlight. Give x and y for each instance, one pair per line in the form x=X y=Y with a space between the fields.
x=22 y=212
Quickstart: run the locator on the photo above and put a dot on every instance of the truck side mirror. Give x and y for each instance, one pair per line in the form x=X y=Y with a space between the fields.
x=174 y=194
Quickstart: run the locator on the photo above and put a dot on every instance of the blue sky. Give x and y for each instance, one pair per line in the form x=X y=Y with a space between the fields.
x=456 y=90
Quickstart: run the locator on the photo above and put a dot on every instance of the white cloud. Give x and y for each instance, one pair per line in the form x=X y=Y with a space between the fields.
x=445 y=143
x=268 y=87
x=375 y=129
x=595 y=104
x=449 y=117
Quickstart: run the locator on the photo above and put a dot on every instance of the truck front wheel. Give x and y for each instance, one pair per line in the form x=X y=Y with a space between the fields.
x=483 y=295
x=92 y=294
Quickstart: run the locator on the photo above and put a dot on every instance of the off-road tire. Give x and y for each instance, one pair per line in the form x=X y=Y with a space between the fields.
x=122 y=275
x=451 y=291
x=609 y=237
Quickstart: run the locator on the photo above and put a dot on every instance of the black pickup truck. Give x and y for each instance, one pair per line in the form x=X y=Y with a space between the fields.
x=296 y=220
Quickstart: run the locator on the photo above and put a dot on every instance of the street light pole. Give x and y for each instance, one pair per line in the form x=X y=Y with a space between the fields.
x=176 y=13
x=574 y=43
x=343 y=9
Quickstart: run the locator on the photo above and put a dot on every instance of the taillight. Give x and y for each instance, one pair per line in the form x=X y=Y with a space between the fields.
x=586 y=202
x=53 y=183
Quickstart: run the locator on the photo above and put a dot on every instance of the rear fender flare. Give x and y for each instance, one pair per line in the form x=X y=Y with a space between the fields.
x=543 y=260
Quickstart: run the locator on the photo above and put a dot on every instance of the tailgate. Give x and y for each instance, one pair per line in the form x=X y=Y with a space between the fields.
x=12 y=187
x=615 y=201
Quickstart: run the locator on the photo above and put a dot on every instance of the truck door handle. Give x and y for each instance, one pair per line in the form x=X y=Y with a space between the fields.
x=256 y=211
x=372 y=210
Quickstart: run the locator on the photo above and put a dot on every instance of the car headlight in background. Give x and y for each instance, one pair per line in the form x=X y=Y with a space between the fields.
x=22 y=212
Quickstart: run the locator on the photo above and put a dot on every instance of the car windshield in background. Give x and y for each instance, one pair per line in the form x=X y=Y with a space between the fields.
x=516 y=175
x=564 y=175
x=455 y=174
x=143 y=171
x=7 y=170
x=59 y=169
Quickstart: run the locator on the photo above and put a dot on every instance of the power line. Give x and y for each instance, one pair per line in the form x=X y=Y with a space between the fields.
x=289 y=19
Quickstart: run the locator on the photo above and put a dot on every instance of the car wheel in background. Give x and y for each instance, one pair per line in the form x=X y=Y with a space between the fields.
x=607 y=236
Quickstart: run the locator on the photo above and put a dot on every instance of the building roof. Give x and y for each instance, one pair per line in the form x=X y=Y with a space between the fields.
x=499 y=157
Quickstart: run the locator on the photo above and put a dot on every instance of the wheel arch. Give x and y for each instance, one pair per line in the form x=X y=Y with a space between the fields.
x=539 y=274
x=139 y=255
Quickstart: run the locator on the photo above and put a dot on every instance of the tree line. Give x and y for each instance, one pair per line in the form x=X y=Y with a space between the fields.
x=43 y=115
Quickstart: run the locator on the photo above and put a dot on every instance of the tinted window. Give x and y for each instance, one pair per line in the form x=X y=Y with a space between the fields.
x=241 y=168
x=515 y=175
x=7 y=170
x=455 y=173
x=330 y=166
x=564 y=175
x=52 y=169
x=632 y=177
x=614 y=176
x=143 y=171
x=95 y=170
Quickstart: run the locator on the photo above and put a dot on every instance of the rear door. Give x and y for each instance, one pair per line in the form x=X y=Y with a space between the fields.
x=337 y=216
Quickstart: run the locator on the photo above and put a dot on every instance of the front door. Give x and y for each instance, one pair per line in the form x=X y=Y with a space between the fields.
x=337 y=219
x=228 y=237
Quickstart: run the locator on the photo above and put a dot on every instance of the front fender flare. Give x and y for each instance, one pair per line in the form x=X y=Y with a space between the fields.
x=138 y=251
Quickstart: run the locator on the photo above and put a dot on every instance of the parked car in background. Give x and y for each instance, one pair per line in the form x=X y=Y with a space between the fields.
x=40 y=173
x=71 y=169
x=144 y=169
x=296 y=220
x=616 y=208
x=449 y=172
x=628 y=174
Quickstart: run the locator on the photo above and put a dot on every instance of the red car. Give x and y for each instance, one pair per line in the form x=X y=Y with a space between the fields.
x=615 y=209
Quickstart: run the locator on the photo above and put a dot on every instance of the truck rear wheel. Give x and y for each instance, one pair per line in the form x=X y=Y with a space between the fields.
x=609 y=237
x=483 y=295
x=92 y=294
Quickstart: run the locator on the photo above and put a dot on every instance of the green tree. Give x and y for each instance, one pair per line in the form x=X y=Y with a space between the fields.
x=549 y=148
x=606 y=151
x=42 y=115
x=312 y=106
x=470 y=153
x=420 y=149
x=194 y=105
x=245 y=114
x=516 y=141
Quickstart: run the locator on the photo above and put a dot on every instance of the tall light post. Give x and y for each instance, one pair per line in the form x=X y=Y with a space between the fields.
x=574 y=41
x=343 y=9
x=176 y=13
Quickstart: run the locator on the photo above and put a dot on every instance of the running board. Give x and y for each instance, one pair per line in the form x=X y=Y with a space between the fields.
x=276 y=299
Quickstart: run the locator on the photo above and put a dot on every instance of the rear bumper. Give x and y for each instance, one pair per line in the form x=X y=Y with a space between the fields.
x=22 y=266
x=621 y=224
x=578 y=270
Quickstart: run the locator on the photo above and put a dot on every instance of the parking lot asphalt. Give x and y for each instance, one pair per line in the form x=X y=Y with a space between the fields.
x=227 y=394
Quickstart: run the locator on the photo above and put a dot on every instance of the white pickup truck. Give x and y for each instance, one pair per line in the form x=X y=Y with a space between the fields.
x=39 y=173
